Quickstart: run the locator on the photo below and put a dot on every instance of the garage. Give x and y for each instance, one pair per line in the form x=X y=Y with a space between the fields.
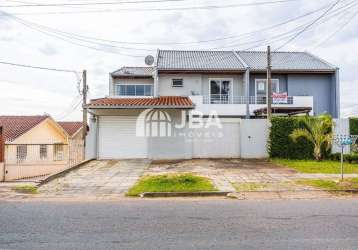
x=117 y=138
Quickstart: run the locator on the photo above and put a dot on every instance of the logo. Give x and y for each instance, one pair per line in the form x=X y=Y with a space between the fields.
x=154 y=123
x=159 y=123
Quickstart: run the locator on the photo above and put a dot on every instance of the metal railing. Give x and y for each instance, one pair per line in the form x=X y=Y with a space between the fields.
x=31 y=160
x=228 y=99
x=36 y=154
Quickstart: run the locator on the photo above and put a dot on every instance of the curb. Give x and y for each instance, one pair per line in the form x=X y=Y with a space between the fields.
x=183 y=194
x=62 y=173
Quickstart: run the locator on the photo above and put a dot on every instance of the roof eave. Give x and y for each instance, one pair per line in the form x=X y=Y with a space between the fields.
x=303 y=71
x=140 y=107
x=161 y=70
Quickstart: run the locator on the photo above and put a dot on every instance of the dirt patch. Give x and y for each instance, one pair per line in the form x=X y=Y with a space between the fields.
x=220 y=164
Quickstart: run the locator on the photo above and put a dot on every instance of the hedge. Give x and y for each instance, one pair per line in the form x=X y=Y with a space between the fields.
x=282 y=146
x=353 y=125
x=351 y=158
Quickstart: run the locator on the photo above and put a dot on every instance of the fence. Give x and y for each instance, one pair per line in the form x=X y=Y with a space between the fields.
x=228 y=99
x=31 y=160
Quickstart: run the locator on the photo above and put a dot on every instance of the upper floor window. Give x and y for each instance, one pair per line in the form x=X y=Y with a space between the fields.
x=134 y=89
x=177 y=83
x=261 y=85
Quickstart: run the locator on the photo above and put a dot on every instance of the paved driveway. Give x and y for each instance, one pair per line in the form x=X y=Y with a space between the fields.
x=97 y=179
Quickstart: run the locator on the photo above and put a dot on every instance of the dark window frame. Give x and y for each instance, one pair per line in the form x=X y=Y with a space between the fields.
x=181 y=85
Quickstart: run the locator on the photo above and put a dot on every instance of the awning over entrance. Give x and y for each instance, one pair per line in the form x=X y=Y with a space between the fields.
x=290 y=111
x=163 y=102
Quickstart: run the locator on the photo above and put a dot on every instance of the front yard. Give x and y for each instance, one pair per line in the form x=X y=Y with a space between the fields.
x=315 y=167
x=171 y=183
x=347 y=184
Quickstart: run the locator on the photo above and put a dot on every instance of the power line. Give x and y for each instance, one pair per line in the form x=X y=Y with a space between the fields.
x=38 y=67
x=339 y=29
x=75 y=43
x=25 y=4
x=204 y=7
x=172 y=43
x=308 y=26
x=282 y=36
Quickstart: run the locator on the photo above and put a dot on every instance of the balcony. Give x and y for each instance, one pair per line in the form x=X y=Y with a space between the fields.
x=226 y=105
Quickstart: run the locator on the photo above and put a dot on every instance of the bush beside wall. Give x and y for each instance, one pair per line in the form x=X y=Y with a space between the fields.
x=353 y=126
x=280 y=143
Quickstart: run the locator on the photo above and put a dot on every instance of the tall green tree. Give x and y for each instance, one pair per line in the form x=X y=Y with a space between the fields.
x=318 y=131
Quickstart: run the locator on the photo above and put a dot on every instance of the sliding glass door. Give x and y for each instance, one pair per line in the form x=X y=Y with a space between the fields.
x=220 y=91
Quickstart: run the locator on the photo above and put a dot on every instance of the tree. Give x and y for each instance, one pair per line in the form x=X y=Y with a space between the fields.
x=316 y=130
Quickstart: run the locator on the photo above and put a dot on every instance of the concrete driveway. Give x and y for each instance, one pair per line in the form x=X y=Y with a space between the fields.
x=99 y=179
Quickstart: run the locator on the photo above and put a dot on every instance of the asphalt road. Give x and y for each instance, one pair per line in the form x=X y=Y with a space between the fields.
x=216 y=224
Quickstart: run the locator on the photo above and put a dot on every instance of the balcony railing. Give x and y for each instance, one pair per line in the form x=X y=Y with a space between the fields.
x=227 y=99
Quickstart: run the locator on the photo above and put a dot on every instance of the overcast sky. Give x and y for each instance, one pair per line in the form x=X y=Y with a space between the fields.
x=26 y=91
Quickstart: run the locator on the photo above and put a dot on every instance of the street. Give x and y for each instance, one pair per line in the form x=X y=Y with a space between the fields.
x=180 y=224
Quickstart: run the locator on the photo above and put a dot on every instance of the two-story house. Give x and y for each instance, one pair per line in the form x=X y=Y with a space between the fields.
x=232 y=84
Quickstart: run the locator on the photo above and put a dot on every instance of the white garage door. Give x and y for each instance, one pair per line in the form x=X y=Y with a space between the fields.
x=117 y=138
x=219 y=143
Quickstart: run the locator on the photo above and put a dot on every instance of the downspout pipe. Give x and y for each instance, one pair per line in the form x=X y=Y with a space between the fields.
x=338 y=93
x=247 y=92
x=246 y=81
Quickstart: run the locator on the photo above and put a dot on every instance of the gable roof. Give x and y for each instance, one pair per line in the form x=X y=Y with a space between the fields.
x=71 y=127
x=172 y=60
x=199 y=60
x=133 y=71
x=15 y=126
x=301 y=61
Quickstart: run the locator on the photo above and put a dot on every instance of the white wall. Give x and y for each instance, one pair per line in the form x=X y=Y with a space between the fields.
x=254 y=138
x=197 y=83
x=191 y=82
x=91 y=141
x=240 y=139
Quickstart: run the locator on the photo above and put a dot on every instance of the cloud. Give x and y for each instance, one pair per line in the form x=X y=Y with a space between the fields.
x=50 y=92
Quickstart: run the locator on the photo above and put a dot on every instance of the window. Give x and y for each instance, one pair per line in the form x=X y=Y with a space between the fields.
x=261 y=87
x=43 y=152
x=134 y=90
x=21 y=153
x=177 y=83
x=58 y=152
x=220 y=91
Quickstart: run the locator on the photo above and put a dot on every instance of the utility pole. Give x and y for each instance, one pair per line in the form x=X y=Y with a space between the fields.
x=269 y=84
x=84 y=103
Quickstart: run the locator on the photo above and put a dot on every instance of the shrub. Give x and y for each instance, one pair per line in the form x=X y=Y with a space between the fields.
x=351 y=158
x=282 y=146
x=353 y=125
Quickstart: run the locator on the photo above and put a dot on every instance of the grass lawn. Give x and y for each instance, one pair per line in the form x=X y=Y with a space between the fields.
x=314 y=167
x=171 y=183
x=347 y=184
x=25 y=189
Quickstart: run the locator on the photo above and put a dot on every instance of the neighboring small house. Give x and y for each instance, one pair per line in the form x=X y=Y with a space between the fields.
x=230 y=83
x=75 y=140
x=34 y=146
x=73 y=129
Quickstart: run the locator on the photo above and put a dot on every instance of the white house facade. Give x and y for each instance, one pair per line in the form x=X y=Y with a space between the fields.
x=229 y=86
